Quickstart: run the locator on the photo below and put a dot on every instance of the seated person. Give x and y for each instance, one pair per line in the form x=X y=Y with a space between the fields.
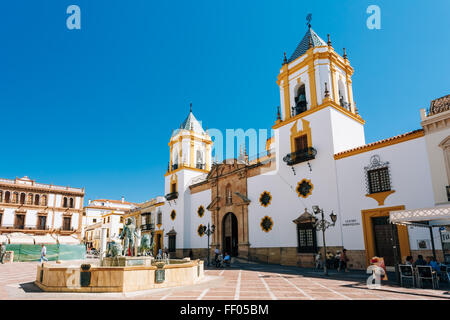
x=420 y=261
x=433 y=263
x=409 y=260
x=219 y=261
x=227 y=259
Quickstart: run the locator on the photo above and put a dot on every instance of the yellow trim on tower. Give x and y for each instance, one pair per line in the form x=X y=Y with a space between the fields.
x=295 y=133
x=192 y=152
x=324 y=105
x=369 y=237
x=181 y=167
x=312 y=84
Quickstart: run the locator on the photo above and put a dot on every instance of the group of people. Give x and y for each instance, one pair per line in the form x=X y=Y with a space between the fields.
x=430 y=261
x=334 y=261
x=221 y=260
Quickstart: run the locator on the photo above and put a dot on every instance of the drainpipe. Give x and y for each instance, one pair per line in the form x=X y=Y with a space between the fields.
x=432 y=242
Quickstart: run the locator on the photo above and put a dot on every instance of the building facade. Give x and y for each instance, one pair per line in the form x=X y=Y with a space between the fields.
x=104 y=214
x=262 y=208
x=33 y=208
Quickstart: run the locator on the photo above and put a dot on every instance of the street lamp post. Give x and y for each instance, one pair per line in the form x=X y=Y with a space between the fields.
x=323 y=224
x=209 y=231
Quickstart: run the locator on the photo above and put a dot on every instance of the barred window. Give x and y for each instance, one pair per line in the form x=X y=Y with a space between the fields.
x=379 y=180
x=306 y=234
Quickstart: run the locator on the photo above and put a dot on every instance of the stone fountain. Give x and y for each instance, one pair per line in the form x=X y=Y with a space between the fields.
x=118 y=272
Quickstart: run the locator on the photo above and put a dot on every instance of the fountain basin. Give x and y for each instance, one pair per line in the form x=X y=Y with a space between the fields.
x=59 y=278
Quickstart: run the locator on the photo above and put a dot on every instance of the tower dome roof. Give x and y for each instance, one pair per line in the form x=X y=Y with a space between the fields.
x=303 y=46
x=190 y=123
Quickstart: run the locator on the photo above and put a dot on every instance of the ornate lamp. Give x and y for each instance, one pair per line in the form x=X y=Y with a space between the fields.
x=322 y=225
x=333 y=217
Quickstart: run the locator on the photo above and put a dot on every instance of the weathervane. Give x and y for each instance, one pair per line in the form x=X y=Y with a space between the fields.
x=309 y=18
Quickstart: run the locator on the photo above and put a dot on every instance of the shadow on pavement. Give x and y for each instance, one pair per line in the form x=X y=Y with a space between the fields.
x=29 y=287
x=398 y=292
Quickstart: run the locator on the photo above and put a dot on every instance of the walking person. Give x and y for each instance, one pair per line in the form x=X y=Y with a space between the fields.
x=2 y=252
x=44 y=253
x=343 y=261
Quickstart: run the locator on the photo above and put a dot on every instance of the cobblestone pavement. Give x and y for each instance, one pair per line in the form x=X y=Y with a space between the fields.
x=241 y=282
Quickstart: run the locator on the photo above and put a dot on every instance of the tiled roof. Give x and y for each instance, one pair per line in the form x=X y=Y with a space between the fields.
x=304 y=44
x=190 y=123
x=381 y=143
x=112 y=201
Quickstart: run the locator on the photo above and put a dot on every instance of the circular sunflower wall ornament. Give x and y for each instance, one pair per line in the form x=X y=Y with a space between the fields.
x=304 y=188
x=173 y=215
x=266 y=224
x=201 y=211
x=265 y=198
x=200 y=230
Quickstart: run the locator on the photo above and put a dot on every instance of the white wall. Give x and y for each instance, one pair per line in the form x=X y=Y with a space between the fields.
x=410 y=178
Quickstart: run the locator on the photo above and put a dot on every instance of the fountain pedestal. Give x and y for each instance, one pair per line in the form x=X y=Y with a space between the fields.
x=126 y=261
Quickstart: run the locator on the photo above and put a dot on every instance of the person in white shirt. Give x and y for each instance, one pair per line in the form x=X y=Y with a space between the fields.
x=43 y=254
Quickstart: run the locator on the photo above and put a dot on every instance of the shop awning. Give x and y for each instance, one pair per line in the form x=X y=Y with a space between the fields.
x=47 y=239
x=3 y=239
x=436 y=216
x=20 y=238
x=68 y=240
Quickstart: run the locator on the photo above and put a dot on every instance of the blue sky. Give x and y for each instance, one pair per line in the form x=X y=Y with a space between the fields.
x=95 y=107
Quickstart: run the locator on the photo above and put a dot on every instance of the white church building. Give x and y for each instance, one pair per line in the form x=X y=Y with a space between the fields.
x=262 y=210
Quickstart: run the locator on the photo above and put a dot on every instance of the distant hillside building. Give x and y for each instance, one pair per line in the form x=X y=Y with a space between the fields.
x=106 y=214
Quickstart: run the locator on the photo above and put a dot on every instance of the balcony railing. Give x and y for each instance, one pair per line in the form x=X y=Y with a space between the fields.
x=300 y=156
x=344 y=104
x=299 y=108
x=200 y=166
x=171 y=196
x=448 y=192
x=148 y=227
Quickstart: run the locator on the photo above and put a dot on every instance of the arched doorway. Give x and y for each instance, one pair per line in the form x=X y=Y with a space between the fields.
x=230 y=234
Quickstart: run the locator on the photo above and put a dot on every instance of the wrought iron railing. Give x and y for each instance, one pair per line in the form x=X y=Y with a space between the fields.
x=147 y=227
x=345 y=105
x=171 y=196
x=299 y=108
x=200 y=166
x=300 y=156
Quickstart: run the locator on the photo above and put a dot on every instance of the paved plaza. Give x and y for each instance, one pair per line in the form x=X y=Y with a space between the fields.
x=240 y=282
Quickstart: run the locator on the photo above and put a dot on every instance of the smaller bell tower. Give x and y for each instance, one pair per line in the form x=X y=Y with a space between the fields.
x=190 y=154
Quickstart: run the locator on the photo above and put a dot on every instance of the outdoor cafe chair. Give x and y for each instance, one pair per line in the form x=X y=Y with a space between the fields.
x=427 y=273
x=407 y=272
x=444 y=273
